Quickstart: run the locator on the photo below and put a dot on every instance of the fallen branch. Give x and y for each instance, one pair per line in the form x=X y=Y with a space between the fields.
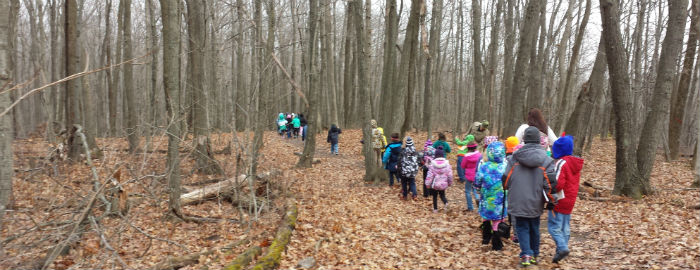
x=190 y=259
x=222 y=187
x=271 y=259
x=297 y=89
x=243 y=259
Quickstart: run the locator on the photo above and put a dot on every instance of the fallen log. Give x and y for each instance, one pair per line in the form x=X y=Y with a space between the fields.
x=243 y=259
x=222 y=187
x=271 y=260
x=189 y=259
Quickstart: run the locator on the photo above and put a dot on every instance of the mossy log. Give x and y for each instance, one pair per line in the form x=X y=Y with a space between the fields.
x=193 y=258
x=242 y=261
x=223 y=187
x=271 y=260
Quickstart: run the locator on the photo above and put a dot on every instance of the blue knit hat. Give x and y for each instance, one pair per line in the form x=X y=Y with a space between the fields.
x=563 y=146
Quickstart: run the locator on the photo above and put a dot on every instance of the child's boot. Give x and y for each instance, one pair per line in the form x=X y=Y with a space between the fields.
x=485 y=232
x=496 y=243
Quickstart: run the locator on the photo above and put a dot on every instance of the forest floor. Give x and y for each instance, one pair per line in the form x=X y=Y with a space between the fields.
x=343 y=222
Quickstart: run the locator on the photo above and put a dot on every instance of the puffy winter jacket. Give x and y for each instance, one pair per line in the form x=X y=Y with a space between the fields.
x=568 y=175
x=439 y=174
x=444 y=144
x=528 y=178
x=408 y=162
x=462 y=148
x=333 y=134
x=489 y=182
x=469 y=164
x=390 y=164
x=296 y=122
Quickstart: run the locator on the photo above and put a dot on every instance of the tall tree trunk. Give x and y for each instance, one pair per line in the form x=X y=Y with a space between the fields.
x=492 y=63
x=507 y=66
x=196 y=26
x=241 y=89
x=348 y=79
x=310 y=56
x=6 y=132
x=410 y=52
x=113 y=88
x=433 y=49
x=54 y=113
x=670 y=55
x=581 y=121
x=480 y=100
x=153 y=112
x=678 y=107
x=170 y=17
x=564 y=102
x=265 y=79
x=389 y=68
x=13 y=64
x=128 y=82
x=515 y=102
x=72 y=87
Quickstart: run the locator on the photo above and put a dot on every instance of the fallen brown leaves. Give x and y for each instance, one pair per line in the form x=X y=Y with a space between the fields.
x=343 y=222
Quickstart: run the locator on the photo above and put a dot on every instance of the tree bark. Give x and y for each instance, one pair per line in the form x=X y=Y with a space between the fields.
x=389 y=68
x=678 y=108
x=433 y=49
x=310 y=59
x=6 y=130
x=509 y=40
x=515 y=102
x=203 y=154
x=480 y=102
x=564 y=101
x=170 y=17
x=580 y=121
x=670 y=55
x=128 y=82
x=409 y=54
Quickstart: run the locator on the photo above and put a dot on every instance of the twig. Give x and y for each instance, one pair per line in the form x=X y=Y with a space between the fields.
x=151 y=236
x=68 y=78
x=106 y=243
x=297 y=89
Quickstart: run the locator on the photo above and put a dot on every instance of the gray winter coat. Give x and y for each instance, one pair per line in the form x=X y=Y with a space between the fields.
x=526 y=178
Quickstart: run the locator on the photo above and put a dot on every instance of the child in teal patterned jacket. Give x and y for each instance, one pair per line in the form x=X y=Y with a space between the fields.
x=492 y=204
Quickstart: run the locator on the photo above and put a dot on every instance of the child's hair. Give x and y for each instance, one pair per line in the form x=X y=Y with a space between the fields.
x=441 y=136
x=395 y=136
x=535 y=118
x=472 y=148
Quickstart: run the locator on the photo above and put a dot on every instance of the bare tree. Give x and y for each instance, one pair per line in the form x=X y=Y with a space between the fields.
x=128 y=79
x=678 y=108
x=480 y=103
x=310 y=57
x=196 y=26
x=171 y=85
x=6 y=131
x=433 y=52
x=389 y=66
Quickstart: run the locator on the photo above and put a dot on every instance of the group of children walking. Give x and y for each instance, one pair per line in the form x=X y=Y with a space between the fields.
x=514 y=181
x=291 y=124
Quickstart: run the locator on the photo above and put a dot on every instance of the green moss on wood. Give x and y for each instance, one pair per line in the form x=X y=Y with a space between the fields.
x=271 y=259
x=244 y=258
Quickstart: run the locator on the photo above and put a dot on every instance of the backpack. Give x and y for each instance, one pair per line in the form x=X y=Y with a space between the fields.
x=440 y=182
x=394 y=157
x=408 y=165
x=428 y=155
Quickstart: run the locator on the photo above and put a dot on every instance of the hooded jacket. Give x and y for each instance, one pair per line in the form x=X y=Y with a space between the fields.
x=378 y=139
x=281 y=122
x=439 y=172
x=444 y=144
x=469 y=163
x=408 y=162
x=391 y=166
x=333 y=134
x=462 y=148
x=527 y=180
x=296 y=123
x=489 y=182
x=568 y=175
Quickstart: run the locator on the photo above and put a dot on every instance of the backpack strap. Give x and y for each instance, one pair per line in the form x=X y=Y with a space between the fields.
x=549 y=183
x=505 y=184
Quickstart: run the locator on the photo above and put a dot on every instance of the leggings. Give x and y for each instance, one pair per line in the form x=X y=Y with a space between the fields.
x=435 y=195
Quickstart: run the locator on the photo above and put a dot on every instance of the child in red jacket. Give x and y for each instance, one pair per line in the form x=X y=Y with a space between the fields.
x=568 y=174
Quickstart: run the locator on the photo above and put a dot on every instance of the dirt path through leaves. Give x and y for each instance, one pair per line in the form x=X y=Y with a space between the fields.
x=345 y=223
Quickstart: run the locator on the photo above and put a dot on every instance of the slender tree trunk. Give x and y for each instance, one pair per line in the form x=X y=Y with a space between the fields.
x=411 y=53
x=6 y=131
x=13 y=64
x=678 y=107
x=507 y=67
x=203 y=154
x=348 y=79
x=112 y=90
x=580 y=121
x=389 y=68
x=171 y=85
x=433 y=49
x=153 y=112
x=128 y=82
x=515 y=102
x=480 y=100
x=670 y=55
x=310 y=56
x=241 y=89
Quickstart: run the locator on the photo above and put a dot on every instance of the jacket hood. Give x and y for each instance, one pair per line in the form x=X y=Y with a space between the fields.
x=281 y=117
x=530 y=155
x=496 y=152
x=334 y=128
x=440 y=163
x=410 y=149
x=574 y=162
x=394 y=144
x=373 y=123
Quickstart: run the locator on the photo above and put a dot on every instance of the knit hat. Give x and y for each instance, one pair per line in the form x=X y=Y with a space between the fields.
x=532 y=135
x=511 y=142
x=428 y=143
x=439 y=152
x=395 y=137
x=563 y=146
x=409 y=141
x=489 y=139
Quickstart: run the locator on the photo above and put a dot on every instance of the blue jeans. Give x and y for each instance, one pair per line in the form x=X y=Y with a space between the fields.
x=558 y=226
x=460 y=170
x=468 y=190
x=334 y=148
x=391 y=178
x=407 y=183
x=528 y=230
x=303 y=132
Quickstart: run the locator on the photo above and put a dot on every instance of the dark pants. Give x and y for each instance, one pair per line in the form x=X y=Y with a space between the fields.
x=407 y=183
x=303 y=132
x=528 y=230
x=426 y=190
x=296 y=132
x=435 y=195
x=391 y=178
